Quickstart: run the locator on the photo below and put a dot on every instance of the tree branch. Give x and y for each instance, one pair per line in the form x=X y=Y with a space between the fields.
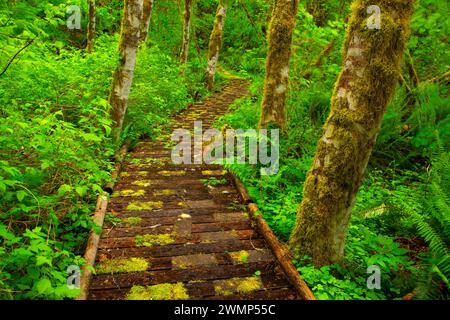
x=439 y=78
x=17 y=53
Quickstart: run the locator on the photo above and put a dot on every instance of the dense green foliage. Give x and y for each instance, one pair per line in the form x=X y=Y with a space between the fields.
x=401 y=218
x=55 y=147
x=56 y=152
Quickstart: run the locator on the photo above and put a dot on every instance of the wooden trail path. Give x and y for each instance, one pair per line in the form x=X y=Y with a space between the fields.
x=183 y=231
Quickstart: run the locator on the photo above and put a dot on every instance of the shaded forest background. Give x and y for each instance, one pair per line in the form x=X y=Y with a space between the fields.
x=56 y=150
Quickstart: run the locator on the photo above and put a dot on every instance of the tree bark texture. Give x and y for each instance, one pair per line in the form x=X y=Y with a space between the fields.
x=215 y=43
x=147 y=17
x=186 y=25
x=371 y=66
x=281 y=29
x=123 y=75
x=91 y=26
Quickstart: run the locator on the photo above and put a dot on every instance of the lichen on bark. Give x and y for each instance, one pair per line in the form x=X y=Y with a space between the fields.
x=123 y=75
x=365 y=85
x=91 y=26
x=215 y=43
x=281 y=29
x=146 y=18
x=186 y=25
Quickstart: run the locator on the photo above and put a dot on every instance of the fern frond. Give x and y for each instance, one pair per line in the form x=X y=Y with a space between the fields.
x=436 y=244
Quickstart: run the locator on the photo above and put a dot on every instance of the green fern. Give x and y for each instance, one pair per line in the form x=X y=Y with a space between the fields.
x=433 y=225
x=429 y=212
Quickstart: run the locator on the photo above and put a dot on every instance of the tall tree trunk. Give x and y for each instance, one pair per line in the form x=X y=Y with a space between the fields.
x=215 y=43
x=187 y=23
x=281 y=29
x=123 y=76
x=147 y=16
x=318 y=9
x=91 y=26
x=367 y=82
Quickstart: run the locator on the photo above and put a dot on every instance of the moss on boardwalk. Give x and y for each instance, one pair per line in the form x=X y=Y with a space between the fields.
x=164 y=291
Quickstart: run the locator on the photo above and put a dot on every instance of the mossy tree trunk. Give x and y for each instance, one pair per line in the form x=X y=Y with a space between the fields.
x=91 y=26
x=123 y=75
x=215 y=43
x=147 y=16
x=186 y=25
x=371 y=67
x=281 y=29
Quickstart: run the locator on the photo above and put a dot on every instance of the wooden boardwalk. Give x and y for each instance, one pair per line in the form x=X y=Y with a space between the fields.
x=182 y=231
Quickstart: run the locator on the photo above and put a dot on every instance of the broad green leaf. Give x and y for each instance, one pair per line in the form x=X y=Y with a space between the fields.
x=64 y=189
x=21 y=195
x=43 y=285
x=40 y=260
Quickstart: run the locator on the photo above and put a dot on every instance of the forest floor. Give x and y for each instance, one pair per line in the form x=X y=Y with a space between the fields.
x=182 y=231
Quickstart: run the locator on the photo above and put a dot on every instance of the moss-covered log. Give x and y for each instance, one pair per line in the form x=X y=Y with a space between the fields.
x=215 y=43
x=371 y=67
x=281 y=28
x=123 y=75
x=186 y=25
x=91 y=26
x=146 y=18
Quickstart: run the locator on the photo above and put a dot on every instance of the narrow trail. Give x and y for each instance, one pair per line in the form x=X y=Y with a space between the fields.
x=182 y=231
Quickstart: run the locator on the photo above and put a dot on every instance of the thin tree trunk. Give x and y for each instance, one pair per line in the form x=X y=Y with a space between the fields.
x=215 y=43
x=325 y=53
x=147 y=16
x=362 y=92
x=187 y=23
x=123 y=76
x=317 y=8
x=281 y=29
x=411 y=94
x=412 y=71
x=91 y=26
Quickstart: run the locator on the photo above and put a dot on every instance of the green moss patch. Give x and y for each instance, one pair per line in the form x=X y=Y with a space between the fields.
x=237 y=285
x=164 y=291
x=141 y=206
x=164 y=192
x=142 y=183
x=167 y=173
x=131 y=221
x=154 y=161
x=149 y=240
x=128 y=193
x=122 y=265
x=240 y=256
x=213 y=172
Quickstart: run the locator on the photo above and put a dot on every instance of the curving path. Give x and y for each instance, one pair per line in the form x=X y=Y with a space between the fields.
x=182 y=231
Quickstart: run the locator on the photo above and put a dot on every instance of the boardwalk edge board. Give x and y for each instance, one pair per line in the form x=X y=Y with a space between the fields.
x=98 y=218
x=281 y=253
